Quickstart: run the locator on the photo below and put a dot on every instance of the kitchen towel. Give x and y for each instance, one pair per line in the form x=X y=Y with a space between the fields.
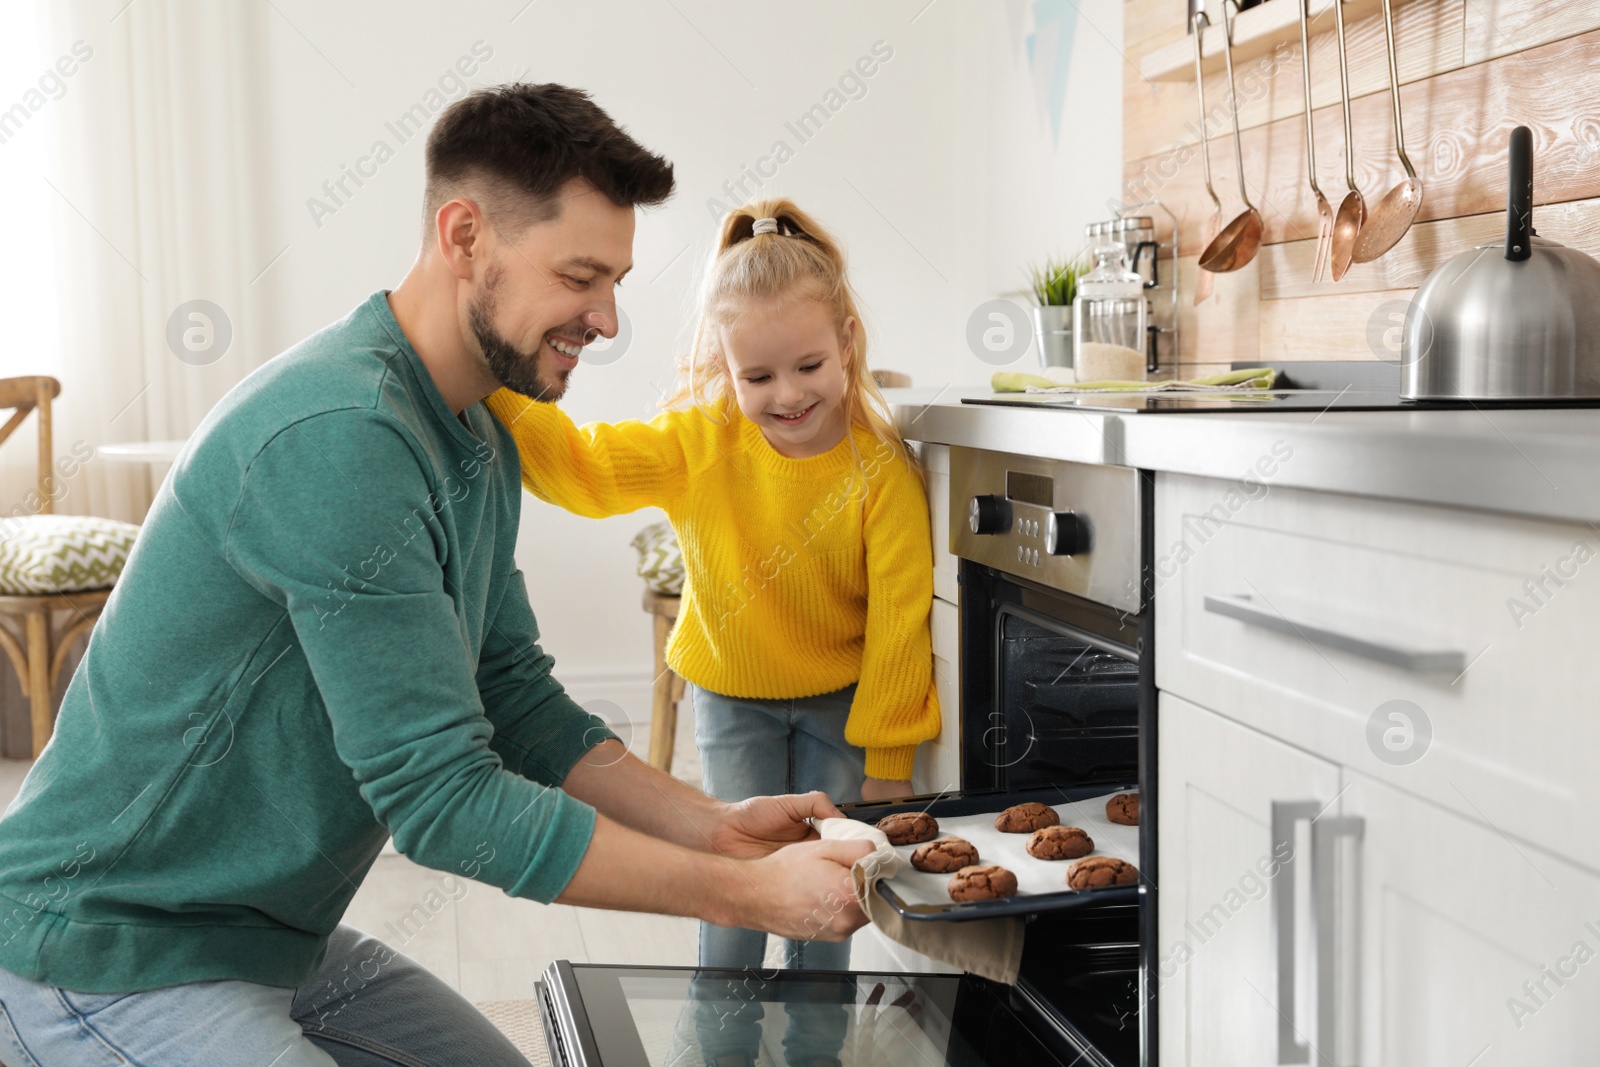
x=989 y=948
x=1236 y=381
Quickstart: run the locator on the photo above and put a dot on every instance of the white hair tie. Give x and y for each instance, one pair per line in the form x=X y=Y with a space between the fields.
x=767 y=225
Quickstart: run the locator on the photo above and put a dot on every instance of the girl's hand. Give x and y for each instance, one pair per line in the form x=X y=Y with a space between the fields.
x=885 y=789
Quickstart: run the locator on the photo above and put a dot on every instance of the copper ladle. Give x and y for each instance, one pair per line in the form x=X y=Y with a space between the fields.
x=1319 y=266
x=1202 y=284
x=1393 y=216
x=1237 y=245
x=1353 y=210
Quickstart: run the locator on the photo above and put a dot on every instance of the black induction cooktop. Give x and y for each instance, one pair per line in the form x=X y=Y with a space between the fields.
x=1312 y=386
x=1173 y=403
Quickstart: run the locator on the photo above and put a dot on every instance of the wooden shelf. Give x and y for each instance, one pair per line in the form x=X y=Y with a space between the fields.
x=1256 y=33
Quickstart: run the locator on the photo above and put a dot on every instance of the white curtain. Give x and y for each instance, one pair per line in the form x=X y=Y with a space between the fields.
x=154 y=190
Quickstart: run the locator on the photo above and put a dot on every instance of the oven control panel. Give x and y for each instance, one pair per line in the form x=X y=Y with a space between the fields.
x=1069 y=526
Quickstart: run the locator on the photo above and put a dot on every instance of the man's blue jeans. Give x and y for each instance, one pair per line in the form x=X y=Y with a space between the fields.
x=402 y=1015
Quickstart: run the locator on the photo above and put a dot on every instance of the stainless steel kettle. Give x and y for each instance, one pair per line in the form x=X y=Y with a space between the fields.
x=1519 y=321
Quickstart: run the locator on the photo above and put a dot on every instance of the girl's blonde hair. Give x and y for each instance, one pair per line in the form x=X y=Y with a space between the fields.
x=800 y=258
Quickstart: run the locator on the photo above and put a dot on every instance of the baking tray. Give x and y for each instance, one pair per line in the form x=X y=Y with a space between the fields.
x=1041 y=884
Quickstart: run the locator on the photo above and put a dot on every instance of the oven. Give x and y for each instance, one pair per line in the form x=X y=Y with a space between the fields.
x=1057 y=704
x=1058 y=694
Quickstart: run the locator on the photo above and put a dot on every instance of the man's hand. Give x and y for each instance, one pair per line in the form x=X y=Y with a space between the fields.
x=760 y=826
x=885 y=789
x=803 y=892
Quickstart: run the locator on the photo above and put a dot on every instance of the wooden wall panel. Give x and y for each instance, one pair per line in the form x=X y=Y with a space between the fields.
x=1350 y=325
x=1286 y=268
x=1163 y=116
x=1144 y=19
x=1459 y=125
x=1499 y=27
x=1224 y=328
x=1471 y=70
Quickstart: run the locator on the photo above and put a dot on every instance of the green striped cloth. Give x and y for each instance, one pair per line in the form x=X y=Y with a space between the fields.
x=1253 y=378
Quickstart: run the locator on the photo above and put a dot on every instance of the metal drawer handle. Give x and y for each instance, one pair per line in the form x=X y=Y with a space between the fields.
x=1325 y=833
x=1285 y=814
x=1418 y=660
x=1333 y=1045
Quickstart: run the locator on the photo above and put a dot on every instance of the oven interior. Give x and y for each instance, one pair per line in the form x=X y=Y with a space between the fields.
x=1058 y=692
x=1051 y=686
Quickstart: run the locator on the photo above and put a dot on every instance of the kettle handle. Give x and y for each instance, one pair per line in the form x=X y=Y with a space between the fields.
x=1519 y=202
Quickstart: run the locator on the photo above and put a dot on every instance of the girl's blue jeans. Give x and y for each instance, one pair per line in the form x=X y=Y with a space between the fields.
x=754 y=748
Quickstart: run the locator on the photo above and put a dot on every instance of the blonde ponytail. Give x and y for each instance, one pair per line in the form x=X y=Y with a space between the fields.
x=798 y=258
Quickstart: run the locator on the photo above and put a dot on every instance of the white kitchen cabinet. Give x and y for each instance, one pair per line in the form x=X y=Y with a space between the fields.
x=938 y=767
x=936 y=471
x=1216 y=975
x=1452 y=918
x=1446 y=942
x=1318 y=618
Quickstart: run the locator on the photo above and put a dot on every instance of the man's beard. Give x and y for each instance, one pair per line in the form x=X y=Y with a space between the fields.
x=513 y=368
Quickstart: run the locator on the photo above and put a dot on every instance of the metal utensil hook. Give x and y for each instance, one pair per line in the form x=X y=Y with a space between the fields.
x=1152 y=358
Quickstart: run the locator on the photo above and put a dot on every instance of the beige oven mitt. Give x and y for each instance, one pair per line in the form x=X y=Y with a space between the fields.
x=989 y=948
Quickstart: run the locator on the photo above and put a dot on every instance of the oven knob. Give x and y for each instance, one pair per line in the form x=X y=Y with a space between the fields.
x=1065 y=534
x=989 y=515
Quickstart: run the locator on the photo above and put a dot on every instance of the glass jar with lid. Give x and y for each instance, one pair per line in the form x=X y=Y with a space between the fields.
x=1110 y=318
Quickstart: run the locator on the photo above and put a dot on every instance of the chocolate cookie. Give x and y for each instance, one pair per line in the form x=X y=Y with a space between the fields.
x=1026 y=818
x=909 y=827
x=1059 y=843
x=942 y=857
x=1123 y=808
x=1096 y=871
x=982 y=883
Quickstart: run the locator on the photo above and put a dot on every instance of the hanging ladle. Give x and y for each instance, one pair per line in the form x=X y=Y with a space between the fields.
x=1324 y=209
x=1238 y=244
x=1353 y=209
x=1202 y=284
x=1393 y=216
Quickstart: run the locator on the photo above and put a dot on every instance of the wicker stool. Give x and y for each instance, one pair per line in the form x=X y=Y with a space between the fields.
x=668 y=688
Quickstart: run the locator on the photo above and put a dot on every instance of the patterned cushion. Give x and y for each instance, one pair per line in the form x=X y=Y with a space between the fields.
x=660 y=560
x=62 y=553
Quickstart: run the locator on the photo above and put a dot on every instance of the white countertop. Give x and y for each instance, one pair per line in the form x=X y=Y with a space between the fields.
x=1536 y=462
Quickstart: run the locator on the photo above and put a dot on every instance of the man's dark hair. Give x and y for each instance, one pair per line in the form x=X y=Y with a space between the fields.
x=517 y=145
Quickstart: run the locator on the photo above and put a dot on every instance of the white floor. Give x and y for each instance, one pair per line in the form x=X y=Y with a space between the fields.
x=485 y=944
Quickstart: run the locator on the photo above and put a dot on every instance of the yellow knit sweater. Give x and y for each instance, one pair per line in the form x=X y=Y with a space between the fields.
x=800 y=576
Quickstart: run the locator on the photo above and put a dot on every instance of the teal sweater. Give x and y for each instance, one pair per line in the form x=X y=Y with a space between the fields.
x=321 y=639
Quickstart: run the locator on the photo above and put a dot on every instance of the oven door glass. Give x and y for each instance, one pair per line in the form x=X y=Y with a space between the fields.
x=683 y=1017
x=1066 y=708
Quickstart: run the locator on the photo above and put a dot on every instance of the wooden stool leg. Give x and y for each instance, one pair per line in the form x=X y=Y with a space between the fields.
x=663 y=711
x=40 y=702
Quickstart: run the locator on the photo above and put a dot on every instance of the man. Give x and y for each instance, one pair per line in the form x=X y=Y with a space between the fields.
x=322 y=640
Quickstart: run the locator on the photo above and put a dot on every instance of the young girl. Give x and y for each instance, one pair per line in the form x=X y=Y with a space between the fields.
x=804 y=528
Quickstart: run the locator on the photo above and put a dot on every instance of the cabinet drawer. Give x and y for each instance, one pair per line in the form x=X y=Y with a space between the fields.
x=1219 y=864
x=945 y=626
x=938 y=766
x=936 y=467
x=1447 y=653
x=1456 y=927
x=939 y=761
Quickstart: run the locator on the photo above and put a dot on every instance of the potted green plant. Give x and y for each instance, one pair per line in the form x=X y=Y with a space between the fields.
x=1054 y=286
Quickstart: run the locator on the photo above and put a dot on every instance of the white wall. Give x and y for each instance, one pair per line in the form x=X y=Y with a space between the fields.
x=942 y=181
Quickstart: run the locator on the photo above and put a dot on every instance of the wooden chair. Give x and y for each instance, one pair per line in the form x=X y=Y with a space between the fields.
x=37 y=649
x=669 y=688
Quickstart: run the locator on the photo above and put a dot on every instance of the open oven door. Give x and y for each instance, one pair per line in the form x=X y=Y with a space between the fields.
x=614 y=1016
